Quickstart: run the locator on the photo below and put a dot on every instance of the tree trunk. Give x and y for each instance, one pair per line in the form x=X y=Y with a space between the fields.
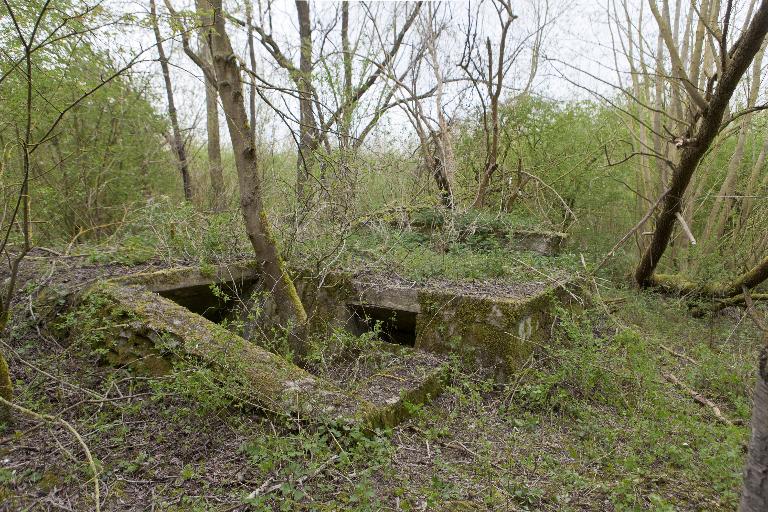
x=482 y=186
x=275 y=275
x=252 y=60
x=215 y=168
x=6 y=389
x=307 y=133
x=696 y=147
x=724 y=200
x=443 y=143
x=754 y=495
x=443 y=185
x=346 y=115
x=751 y=190
x=178 y=142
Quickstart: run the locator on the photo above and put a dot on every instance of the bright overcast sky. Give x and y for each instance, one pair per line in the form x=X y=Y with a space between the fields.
x=577 y=54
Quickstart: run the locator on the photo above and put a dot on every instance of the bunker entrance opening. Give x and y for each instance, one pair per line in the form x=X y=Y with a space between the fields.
x=213 y=302
x=394 y=326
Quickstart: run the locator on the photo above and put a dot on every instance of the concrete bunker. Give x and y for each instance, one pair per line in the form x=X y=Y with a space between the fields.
x=491 y=325
x=142 y=326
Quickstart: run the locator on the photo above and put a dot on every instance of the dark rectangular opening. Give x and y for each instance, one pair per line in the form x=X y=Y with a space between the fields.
x=214 y=304
x=397 y=326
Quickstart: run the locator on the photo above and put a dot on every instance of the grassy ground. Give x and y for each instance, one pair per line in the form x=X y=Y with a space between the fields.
x=589 y=423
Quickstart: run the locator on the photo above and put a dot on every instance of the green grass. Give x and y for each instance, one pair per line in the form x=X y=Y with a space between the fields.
x=419 y=257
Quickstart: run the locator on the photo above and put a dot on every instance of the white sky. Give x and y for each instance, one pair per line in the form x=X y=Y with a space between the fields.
x=578 y=44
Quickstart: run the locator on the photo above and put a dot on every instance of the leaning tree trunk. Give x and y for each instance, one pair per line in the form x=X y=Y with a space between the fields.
x=178 y=142
x=276 y=279
x=754 y=495
x=694 y=148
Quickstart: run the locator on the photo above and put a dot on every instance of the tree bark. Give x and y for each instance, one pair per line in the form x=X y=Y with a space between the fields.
x=724 y=200
x=705 y=132
x=276 y=279
x=749 y=200
x=178 y=142
x=445 y=171
x=252 y=60
x=346 y=115
x=215 y=168
x=6 y=388
x=754 y=495
x=307 y=132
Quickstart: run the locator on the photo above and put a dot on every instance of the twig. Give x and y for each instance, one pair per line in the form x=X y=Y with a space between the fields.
x=679 y=354
x=698 y=397
x=68 y=426
x=267 y=490
x=686 y=229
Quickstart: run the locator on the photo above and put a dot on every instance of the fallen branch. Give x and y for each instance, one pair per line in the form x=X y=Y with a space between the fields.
x=685 y=227
x=679 y=354
x=631 y=231
x=698 y=397
x=720 y=304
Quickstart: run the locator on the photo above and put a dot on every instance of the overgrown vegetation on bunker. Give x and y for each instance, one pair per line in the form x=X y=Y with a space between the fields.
x=444 y=256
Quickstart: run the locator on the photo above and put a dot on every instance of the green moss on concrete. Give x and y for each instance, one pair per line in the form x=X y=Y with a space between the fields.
x=143 y=322
x=391 y=415
x=494 y=333
x=191 y=276
x=421 y=377
x=325 y=299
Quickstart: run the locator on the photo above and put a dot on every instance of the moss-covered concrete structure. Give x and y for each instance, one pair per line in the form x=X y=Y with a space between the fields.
x=474 y=231
x=495 y=327
x=150 y=321
x=136 y=322
x=495 y=333
x=148 y=332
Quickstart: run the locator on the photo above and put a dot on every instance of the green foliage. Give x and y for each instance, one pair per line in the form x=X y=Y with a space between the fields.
x=201 y=387
x=407 y=253
x=291 y=459
x=171 y=231
x=327 y=352
x=97 y=147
